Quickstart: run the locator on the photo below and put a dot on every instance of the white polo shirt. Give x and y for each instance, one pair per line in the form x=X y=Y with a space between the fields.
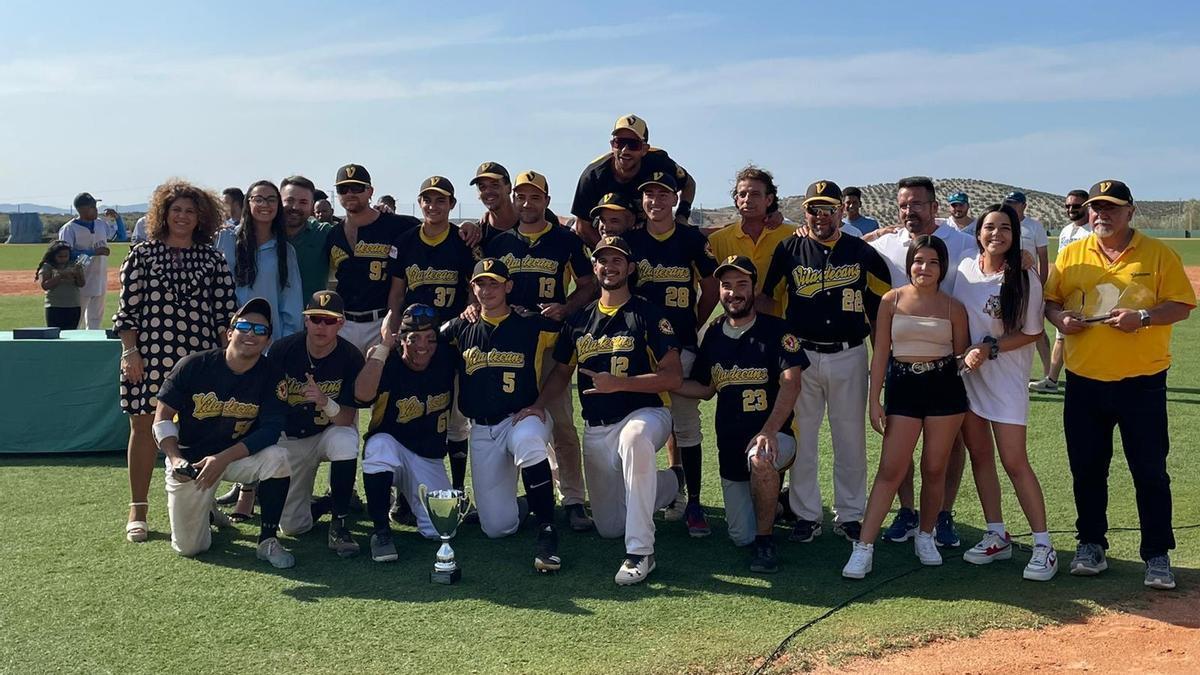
x=894 y=246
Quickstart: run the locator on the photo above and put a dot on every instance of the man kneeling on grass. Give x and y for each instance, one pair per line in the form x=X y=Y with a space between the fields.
x=219 y=417
x=753 y=365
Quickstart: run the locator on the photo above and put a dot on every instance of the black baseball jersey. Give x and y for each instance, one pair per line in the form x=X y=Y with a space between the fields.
x=832 y=291
x=745 y=371
x=500 y=369
x=218 y=407
x=540 y=265
x=598 y=179
x=414 y=406
x=490 y=231
x=435 y=271
x=669 y=271
x=334 y=374
x=629 y=341
x=364 y=271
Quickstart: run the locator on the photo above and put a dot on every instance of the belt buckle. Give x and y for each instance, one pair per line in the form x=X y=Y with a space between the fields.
x=922 y=367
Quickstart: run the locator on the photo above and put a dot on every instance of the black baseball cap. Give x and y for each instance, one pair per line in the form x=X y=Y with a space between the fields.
x=326 y=303
x=255 y=306
x=740 y=263
x=418 y=317
x=612 y=201
x=1110 y=191
x=84 y=199
x=492 y=268
x=437 y=184
x=823 y=192
x=1015 y=197
x=613 y=243
x=491 y=170
x=661 y=178
x=353 y=173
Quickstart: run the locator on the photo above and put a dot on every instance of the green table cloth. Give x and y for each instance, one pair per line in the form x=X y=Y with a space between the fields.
x=61 y=395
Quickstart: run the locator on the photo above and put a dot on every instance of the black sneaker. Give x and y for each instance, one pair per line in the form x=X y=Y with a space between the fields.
x=341 y=541
x=230 y=498
x=765 y=560
x=578 y=518
x=382 y=548
x=805 y=531
x=546 y=559
x=851 y=530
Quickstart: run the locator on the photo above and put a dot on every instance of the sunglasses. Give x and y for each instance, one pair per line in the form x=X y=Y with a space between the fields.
x=821 y=210
x=627 y=143
x=322 y=320
x=355 y=188
x=421 y=311
x=243 y=326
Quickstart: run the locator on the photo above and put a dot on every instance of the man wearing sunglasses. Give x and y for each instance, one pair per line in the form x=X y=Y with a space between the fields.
x=834 y=283
x=622 y=170
x=499 y=374
x=495 y=193
x=675 y=268
x=406 y=443
x=219 y=417
x=1078 y=228
x=319 y=369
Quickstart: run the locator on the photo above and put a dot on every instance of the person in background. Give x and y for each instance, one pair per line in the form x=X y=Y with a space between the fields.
x=61 y=280
x=852 y=203
x=88 y=236
x=1033 y=240
x=233 y=198
x=139 y=231
x=323 y=211
x=960 y=212
x=386 y=204
x=117 y=224
x=1075 y=230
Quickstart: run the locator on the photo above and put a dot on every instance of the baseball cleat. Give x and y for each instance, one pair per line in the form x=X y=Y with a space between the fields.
x=546 y=559
x=273 y=552
x=676 y=510
x=340 y=539
x=849 y=530
x=765 y=560
x=805 y=531
x=578 y=518
x=382 y=548
x=634 y=569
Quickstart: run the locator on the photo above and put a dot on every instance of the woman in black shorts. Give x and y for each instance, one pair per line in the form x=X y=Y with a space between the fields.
x=919 y=334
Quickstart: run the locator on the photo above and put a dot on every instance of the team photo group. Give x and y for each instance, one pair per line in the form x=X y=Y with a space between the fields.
x=256 y=326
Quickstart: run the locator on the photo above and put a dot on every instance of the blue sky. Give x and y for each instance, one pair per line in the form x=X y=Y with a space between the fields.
x=114 y=97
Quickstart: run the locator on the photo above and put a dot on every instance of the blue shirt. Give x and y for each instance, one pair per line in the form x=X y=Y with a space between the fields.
x=863 y=223
x=286 y=303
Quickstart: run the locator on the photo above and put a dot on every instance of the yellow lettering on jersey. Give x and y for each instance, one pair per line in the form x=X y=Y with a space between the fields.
x=587 y=346
x=722 y=377
x=809 y=281
x=420 y=277
x=293 y=390
x=648 y=273
x=409 y=409
x=208 y=405
x=337 y=256
x=474 y=358
x=529 y=264
x=363 y=249
x=437 y=402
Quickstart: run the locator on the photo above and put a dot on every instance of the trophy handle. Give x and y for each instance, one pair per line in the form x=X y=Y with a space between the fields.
x=464 y=504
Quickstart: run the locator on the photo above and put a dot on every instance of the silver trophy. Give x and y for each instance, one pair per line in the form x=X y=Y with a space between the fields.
x=446 y=509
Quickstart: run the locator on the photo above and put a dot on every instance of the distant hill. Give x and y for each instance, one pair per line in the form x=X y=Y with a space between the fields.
x=56 y=211
x=879 y=202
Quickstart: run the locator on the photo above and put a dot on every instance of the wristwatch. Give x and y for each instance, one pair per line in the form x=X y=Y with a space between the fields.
x=1144 y=315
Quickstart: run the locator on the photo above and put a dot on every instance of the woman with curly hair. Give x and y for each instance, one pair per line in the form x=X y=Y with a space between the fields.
x=177 y=297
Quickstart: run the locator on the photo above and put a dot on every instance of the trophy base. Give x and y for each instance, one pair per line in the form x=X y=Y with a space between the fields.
x=446 y=578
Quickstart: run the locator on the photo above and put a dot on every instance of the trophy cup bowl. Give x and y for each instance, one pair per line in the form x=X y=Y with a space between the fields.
x=446 y=509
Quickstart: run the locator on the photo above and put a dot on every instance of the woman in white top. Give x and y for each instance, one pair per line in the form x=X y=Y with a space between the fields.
x=1004 y=306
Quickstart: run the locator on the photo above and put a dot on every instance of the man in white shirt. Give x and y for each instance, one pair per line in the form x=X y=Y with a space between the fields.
x=1075 y=230
x=1034 y=239
x=960 y=212
x=88 y=235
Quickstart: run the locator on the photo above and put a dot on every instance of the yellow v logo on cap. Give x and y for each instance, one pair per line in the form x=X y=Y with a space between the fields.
x=350 y=171
x=435 y=180
x=487 y=265
x=657 y=175
x=631 y=120
x=821 y=187
x=1105 y=185
x=730 y=259
x=323 y=299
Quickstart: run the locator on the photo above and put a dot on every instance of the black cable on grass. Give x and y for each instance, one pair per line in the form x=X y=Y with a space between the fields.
x=782 y=647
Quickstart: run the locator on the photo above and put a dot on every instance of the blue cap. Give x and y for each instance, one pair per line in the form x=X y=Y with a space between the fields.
x=958 y=198
x=1016 y=197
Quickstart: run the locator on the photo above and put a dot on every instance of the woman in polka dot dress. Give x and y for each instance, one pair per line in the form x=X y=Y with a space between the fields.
x=177 y=296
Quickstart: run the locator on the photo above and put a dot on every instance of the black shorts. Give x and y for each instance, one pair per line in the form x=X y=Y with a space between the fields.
x=935 y=392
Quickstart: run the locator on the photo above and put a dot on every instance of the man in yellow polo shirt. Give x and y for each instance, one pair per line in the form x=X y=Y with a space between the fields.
x=1115 y=295
x=760 y=230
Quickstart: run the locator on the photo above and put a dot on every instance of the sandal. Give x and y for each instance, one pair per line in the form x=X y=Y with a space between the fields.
x=137 y=531
x=239 y=517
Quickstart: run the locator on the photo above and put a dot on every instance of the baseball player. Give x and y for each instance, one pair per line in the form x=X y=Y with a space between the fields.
x=834 y=283
x=615 y=215
x=406 y=441
x=219 y=417
x=628 y=358
x=495 y=193
x=674 y=268
x=753 y=364
x=361 y=253
x=542 y=257
x=622 y=170
x=499 y=376
x=319 y=369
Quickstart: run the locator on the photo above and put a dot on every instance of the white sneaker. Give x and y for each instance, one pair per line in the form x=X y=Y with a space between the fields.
x=926 y=549
x=634 y=569
x=674 y=512
x=991 y=547
x=861 y=558
x=1044 y=386
x=1043 y=565
x=274 y=552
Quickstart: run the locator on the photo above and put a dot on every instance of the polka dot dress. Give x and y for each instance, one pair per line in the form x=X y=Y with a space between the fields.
x=174 y=299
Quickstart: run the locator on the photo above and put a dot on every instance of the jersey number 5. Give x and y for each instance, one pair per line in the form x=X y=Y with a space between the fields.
x=754 y=400
x=508 y=382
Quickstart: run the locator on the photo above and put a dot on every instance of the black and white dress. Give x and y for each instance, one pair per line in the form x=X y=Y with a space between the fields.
x=174 y=299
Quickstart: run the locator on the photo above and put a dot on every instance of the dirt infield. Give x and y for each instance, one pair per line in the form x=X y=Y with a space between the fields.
x=1161 y=637
x=20 y=282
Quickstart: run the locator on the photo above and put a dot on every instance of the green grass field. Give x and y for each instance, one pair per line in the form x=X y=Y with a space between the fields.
x=80 y=599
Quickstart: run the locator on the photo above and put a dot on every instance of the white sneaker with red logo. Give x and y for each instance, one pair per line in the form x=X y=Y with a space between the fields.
x=991 y=547
x=1043 y=565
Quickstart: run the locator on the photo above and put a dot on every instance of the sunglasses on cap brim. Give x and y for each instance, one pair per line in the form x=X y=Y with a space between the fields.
x=244 y=326
x=421 y=312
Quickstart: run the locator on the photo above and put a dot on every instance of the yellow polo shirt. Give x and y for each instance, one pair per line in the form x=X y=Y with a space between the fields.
x=1102 y=352
x=732 y=240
